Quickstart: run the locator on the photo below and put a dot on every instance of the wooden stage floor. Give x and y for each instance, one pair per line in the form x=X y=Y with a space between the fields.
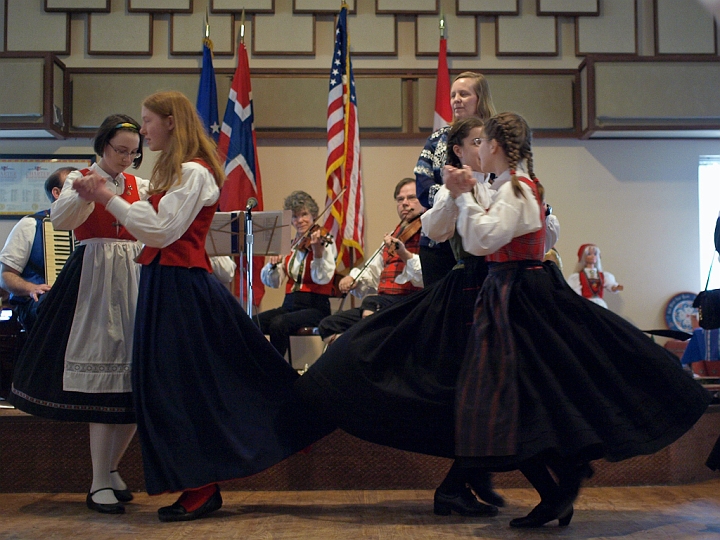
x=672 y=512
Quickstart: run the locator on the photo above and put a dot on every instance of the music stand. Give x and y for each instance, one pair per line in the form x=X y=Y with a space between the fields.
x=270 y=236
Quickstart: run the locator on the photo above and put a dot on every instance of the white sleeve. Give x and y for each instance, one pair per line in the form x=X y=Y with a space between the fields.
x=19 y=244
x=69 y=211
x=176 y=211
x=438 y=223
x=369 y=280
x=552 y=231
x=610 y=281
x=412 y=272
x=322 y=270
x=272 y=277
x=484 y=232
x=223 y=268
x=574 y=282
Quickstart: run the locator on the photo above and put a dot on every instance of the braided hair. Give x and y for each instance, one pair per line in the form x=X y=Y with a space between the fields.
x=513 y=134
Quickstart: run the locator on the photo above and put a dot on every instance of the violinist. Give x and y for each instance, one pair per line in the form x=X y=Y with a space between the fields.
x=307 y=271
x=393 y=272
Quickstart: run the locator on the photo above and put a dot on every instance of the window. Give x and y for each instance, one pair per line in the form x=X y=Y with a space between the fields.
x=709 y=206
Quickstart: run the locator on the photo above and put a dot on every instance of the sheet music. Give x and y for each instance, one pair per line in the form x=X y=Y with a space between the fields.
x=271 y=233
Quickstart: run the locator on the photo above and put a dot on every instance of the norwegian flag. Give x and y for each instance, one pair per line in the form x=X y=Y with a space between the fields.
x=346 y=221
x=443 y=110
x=238 y=149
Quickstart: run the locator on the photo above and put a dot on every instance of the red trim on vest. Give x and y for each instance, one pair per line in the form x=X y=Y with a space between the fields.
x=592 y=287
x=529 y=246
x=101 y=223
x=304 y=282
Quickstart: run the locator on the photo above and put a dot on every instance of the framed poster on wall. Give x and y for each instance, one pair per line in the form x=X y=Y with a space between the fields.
x=22 y=180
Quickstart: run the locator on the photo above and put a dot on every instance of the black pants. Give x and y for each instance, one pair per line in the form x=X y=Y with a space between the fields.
x=299 y=309
x=338 y=323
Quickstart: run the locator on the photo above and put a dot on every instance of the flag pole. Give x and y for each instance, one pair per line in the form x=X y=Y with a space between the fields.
x=442 y=24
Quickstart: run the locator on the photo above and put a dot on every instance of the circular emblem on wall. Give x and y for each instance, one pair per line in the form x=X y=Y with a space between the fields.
x=678 y=311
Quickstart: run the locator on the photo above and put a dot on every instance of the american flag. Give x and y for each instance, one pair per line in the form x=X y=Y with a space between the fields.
x=346 y=221
x=238 y=149
x=443 y=110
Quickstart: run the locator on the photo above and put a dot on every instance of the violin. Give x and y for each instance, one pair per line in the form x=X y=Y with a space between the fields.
x=303 y=243
x=405 y=231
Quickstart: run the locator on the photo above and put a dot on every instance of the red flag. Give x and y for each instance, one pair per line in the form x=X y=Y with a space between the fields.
x=346 y=221
x=237 y=147
x=443 y=111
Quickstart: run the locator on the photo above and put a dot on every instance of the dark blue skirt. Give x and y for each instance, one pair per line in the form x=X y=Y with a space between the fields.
x=38 y=374
x=390 y=379
x=214 y=400
x=550 y=373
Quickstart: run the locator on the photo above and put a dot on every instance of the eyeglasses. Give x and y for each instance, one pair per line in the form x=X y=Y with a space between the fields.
x=409 y=198
x=126 y=153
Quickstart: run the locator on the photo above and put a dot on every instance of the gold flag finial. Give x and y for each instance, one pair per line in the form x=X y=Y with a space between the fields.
x=206 y=39
x=242 y=27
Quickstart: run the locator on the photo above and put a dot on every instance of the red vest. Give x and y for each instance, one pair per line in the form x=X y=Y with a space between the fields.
x=187 y=251
x=592 y=287
x=304 y=282
x=529 y=246
x=393 y=266
x=101 y=223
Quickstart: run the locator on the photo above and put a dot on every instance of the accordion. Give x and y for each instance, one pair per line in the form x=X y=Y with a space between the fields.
x=58 y=246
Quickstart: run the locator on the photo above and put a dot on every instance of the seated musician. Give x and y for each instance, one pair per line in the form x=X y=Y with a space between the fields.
x=307 y=271
x=393 y=272
x=22 y=260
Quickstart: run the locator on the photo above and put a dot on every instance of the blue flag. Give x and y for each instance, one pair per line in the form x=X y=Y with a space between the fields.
x=207 y=94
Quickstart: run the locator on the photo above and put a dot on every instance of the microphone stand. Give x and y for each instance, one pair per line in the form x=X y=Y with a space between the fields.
x=249 y=264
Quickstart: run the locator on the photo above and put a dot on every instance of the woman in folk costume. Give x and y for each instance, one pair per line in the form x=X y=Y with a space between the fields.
x=76 y=364
x=550 y=380
x=307 y=272
x=390 y=378
x=589 y=280
x=213 y=397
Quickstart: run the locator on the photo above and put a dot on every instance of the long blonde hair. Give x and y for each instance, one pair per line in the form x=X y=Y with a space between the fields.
x=188 y=141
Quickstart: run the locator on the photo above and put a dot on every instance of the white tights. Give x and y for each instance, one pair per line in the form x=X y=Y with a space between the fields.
x=108 y=443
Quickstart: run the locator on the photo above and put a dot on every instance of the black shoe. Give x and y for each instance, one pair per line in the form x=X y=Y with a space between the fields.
x=114 y=508
x=122 y=495
x=546 y=512
x=481 y=484
x=177 y=512
x=463 y=503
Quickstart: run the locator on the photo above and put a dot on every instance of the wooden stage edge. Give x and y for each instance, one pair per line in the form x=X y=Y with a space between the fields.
x=44 y=456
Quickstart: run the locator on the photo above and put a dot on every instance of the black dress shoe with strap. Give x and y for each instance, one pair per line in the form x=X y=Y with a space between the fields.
x=122 y=495
x=113 y=508
x=177 y=512
x=463 y=503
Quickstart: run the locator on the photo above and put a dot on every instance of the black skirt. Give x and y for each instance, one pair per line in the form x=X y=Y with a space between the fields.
x=390 y=379
x=38 y=375
x=214 y=399
x=551 y=373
